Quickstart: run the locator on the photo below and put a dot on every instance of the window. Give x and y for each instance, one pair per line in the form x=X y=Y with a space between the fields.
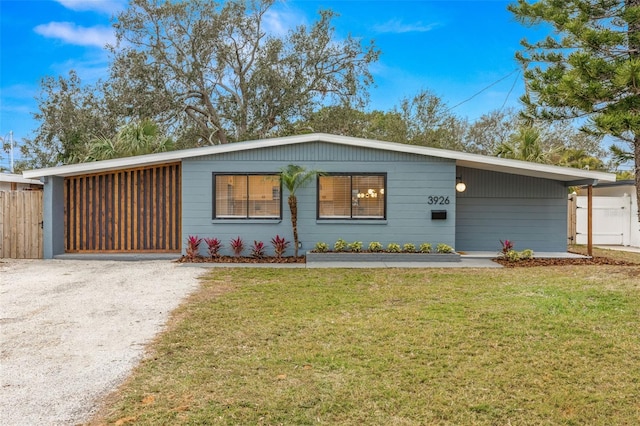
x=246 y=196
x=352 y=196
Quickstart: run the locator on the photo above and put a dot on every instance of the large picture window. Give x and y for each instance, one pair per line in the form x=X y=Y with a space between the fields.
x=246 y=196
x=351 y=196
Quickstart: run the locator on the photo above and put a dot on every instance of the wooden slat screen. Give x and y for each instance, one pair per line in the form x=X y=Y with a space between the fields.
x=136 y=210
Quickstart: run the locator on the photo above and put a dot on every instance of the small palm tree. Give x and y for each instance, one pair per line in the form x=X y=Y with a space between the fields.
x=293 y=178
x=523 y=145
x=134 y=138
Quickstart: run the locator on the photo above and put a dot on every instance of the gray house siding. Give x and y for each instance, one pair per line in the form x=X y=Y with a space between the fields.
x=53 y=217
x=411 y=179
x=531 y=212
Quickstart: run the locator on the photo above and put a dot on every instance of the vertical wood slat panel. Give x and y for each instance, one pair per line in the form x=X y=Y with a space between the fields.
x=114 y=214
x=178 y=206
x=134 y=210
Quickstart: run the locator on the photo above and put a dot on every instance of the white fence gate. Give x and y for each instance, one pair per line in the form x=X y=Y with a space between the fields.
x=611 y=220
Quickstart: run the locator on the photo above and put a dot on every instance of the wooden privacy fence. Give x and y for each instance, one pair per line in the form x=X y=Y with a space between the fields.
x=136 y=210
x=21 y=224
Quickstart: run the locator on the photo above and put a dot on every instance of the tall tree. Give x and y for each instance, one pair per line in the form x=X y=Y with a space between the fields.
x=213 y=67
x=588 y=67
x=347 y=121
x=491 y=130
x=70 y=115
x=430 y=123
x=294 y=177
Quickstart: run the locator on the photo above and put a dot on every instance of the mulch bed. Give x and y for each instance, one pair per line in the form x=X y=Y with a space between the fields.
x=242 y=259
x=519 y=264
x=562 y=262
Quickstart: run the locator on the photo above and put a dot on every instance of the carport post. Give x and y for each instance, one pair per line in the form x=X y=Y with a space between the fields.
x=590 y=220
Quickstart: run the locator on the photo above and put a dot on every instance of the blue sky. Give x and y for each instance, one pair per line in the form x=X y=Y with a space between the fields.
x=456 y=49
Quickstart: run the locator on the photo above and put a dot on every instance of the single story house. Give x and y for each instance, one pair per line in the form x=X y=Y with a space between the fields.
x=369 y=191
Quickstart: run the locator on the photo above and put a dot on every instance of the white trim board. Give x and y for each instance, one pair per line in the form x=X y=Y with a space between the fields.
x=563 y=174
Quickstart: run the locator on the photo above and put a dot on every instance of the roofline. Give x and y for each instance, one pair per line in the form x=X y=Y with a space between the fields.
x=15 y=178
x=476 y=161
x=618 y=183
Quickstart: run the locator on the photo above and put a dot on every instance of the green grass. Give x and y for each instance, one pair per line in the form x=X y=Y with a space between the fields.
x=524 y=346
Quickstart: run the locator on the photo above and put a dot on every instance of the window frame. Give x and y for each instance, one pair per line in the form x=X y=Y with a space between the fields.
x=214 y=215
x=351 y=175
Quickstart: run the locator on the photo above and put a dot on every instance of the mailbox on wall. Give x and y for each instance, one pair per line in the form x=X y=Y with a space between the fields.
x=438 y=214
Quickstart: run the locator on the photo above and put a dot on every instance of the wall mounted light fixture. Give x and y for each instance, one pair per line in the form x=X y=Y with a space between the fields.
x=460 y=185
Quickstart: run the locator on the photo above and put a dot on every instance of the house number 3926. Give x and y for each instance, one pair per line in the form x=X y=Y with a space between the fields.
x=437 y=199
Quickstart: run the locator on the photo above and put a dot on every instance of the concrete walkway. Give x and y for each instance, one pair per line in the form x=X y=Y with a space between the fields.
x=465 y=262
x=621 y=248
x=476 y=259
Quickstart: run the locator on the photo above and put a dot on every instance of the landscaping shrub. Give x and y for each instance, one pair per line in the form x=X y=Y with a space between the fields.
x=507 y=246
x=526 y=254
x=213 y=246
x=257 y=250
x=409 y=248
x=355 y=246
x=375 y=246
x=280 y=245
x=425 y=248
x=508 y=252
x=193 y=246
x=321 y=247
x=444 y=248
x=237 y=245
x=340 y=245
x=394 y=248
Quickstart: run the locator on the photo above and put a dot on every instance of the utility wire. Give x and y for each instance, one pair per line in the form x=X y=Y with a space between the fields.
x=515 y=80
x=488 y=87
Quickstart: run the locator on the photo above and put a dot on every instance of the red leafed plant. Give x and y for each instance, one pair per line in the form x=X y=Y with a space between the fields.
x=237 y=245
x=257 y=250
x=507 y=246
x=213 y=246
x=193 y=246
x=280 y=245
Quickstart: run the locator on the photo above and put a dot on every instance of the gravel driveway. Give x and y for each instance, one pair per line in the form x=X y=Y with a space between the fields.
x=71 y=331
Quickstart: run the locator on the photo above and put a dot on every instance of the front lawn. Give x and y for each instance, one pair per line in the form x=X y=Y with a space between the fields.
x=523 y=346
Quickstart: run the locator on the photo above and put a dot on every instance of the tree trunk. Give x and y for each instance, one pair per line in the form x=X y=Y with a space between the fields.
x=633 y=33
x=293 y=206
x=636 y=152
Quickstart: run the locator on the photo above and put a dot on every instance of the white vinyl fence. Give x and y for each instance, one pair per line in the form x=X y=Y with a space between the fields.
x=612 y=220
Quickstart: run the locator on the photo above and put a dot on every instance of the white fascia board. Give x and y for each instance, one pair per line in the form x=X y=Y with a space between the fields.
x=565 y=174
x=162 y=157
x=476 y=161
x=14 y=178
x=544 y=171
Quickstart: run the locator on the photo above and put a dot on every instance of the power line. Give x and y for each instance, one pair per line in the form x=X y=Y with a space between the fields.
x=515 y=80
x=488 y=87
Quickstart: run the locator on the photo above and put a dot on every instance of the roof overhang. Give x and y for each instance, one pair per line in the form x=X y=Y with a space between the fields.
x=14 y=178
x=564 y=174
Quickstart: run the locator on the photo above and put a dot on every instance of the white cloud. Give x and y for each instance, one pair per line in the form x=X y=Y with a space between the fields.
x=397 y=26
x=279 y=21
x=81 y=36
x=103 y=6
